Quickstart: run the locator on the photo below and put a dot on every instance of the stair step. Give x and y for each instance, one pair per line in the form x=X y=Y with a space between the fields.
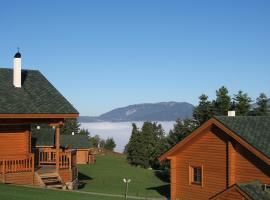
x=51 y=181
x=48 y=175
x=56 y=186
x=52 y=177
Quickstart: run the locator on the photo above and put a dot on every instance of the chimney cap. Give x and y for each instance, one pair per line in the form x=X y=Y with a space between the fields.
x=18 y=54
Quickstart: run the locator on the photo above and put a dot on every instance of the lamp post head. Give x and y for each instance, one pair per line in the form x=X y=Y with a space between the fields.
x=126 y=180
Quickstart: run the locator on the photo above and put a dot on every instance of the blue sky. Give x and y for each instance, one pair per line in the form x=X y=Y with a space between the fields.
x=105 y=54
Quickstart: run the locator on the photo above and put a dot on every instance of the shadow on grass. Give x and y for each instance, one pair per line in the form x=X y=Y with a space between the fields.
x=163 y=190
x=83 y=180
x=163 y=176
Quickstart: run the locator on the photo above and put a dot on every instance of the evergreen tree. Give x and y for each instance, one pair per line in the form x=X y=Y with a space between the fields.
x=132 y=146
x=102 y=143
x=262 y=108
x=70 y=126
x=95 y=141
x=146 y=146
x=84 y=132
x=109 y=144
x=222 y=104
x=181 y=129
x=158 y=145
x=242 y=103
x=203 y=111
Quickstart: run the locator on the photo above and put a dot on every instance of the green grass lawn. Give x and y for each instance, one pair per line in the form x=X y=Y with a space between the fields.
x=106 y=176
x=12 y=192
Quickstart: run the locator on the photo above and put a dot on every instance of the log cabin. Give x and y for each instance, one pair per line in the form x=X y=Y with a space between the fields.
x=228 y=157
x=26 y=98
x=43 y=138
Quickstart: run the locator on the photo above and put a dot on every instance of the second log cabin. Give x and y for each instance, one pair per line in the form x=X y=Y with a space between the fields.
x=225 y=158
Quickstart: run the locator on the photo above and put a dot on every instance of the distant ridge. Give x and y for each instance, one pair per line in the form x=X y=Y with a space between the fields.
x=163 y=111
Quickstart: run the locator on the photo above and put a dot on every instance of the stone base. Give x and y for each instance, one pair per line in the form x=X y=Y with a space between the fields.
x=72 y=185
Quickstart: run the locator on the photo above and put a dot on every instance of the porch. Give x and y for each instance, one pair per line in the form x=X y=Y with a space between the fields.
x=40 y=168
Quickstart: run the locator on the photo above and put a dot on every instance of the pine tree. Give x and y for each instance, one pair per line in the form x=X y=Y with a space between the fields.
x=181 y=129
x=132 y=146
x=95 y=141
x=70 y=126
x=159 y=145
x=262 y=108
x=84 y=132
x=109 y=144
x=222 y=104
x=146 y=145
x=203 y=111
x=242 y=103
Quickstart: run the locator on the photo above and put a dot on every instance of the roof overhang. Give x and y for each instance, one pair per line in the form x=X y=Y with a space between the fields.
x=170 y=153
x=38 y=115
x=51 y=119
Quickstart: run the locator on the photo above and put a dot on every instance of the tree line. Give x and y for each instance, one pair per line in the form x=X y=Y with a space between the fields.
x=72 y=126
x=148 y=143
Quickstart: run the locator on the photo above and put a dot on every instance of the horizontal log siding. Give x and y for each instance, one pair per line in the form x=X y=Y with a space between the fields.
x=248 y=167
x=14 y=144
x=25 y=178
x=209 y=151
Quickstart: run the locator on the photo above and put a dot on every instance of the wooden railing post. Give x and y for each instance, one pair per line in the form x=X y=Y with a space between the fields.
x=57 y=145
x=4 y=171
x=33 y=167
x=70 y=159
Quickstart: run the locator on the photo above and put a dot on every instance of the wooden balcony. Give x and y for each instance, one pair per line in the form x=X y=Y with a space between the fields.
x=47 y=156
x=17 y=164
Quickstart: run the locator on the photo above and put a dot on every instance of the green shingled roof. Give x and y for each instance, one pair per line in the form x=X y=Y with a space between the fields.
x=76 y=141
x=253 y=129
x=45 y=137
x=255 y=190
x=36 y=96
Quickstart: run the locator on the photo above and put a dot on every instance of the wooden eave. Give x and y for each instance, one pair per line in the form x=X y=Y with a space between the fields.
x=51 y=119
x=199 y=130
x=37 y=115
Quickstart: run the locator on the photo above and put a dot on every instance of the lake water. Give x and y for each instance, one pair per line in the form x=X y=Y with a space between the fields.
x=119 y=131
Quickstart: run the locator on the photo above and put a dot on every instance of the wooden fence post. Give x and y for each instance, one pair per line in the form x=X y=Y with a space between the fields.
x=4 y=171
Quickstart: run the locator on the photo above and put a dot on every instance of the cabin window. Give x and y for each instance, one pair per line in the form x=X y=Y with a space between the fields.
x=196 y=175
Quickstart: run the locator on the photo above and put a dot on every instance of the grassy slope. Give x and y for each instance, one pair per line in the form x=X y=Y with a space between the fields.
x=11 y=192
x=107 y=173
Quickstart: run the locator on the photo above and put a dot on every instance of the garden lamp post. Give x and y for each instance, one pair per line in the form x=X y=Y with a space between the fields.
x=126 y=181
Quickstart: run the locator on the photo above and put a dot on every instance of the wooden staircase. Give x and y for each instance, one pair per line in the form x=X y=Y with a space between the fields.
x=52 y=180
x=49 y=179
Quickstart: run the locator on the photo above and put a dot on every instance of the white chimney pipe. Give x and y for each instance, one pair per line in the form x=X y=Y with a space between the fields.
x=17 y=70
x=231 y=113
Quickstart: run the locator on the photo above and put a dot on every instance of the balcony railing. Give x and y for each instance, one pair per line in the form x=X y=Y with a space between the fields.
x=47 y=156
x=17 y=164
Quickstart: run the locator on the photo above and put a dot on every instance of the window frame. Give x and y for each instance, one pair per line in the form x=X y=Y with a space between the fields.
x=191 y=175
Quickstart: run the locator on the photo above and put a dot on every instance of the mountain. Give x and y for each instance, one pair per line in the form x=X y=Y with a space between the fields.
x=163 y=111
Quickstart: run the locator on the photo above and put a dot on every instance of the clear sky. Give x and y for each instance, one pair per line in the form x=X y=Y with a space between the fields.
x=105 y=54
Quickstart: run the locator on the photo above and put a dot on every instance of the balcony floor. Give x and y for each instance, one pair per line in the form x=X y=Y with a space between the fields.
x=46 y=169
